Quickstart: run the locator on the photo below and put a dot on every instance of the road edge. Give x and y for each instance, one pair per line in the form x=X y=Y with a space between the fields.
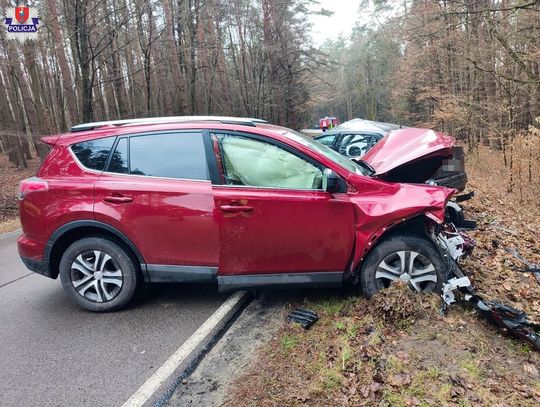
x=19 y=230
x=185 y=358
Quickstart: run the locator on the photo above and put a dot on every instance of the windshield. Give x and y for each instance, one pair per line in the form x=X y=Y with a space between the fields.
x=328 y=152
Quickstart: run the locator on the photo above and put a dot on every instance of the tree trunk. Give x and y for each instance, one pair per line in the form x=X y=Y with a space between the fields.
x=68 y=90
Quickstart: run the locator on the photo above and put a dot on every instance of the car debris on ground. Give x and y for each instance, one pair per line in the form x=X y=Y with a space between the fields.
x=304 y=317
x=514 y=321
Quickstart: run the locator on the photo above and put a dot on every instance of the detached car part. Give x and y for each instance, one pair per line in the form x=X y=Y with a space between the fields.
x=304 y=317
x=514 y=321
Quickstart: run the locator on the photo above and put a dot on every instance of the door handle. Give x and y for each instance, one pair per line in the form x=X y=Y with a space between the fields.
x=118 y=199
x=235 y=208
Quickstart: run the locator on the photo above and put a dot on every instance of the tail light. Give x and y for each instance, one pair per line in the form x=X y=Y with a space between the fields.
x=33 y=184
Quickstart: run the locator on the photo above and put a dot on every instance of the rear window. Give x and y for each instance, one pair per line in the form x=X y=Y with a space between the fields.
x=177 y=155
x=93 y=154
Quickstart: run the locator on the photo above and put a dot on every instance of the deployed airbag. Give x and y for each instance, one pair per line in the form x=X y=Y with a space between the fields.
x=255 y=163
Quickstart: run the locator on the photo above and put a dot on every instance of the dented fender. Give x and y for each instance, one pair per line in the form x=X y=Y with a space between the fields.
x=379 y=207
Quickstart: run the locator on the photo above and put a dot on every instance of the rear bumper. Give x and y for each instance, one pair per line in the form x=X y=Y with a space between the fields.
x=30 y=248
x=31 y=252
x=38 y=266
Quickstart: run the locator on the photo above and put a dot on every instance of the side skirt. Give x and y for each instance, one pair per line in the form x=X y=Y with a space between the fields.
x=285 y=280
x=159 y=273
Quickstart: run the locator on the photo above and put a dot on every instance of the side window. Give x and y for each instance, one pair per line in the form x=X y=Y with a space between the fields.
x=177 y=155
x=255 y=163
x=93 y=154
x=327 y=140
x=119 y=159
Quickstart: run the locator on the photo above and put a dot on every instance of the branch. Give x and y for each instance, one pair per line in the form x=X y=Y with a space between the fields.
x=502 y=40
x=530 y=4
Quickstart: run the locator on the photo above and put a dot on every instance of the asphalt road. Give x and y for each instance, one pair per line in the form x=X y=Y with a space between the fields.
x=53 y=353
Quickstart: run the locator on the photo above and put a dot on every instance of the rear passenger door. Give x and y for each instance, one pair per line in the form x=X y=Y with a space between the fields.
x=156 y=190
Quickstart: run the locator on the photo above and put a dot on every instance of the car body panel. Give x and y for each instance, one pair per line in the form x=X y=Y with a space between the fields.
x=379 y=206
x=70 y=196
x=286 y=231
x=368 y=125
x=170 y=221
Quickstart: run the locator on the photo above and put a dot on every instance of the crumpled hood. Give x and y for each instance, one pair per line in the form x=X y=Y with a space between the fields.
x=403 y=146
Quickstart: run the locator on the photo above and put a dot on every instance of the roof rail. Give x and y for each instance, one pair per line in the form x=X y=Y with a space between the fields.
x=245 y=121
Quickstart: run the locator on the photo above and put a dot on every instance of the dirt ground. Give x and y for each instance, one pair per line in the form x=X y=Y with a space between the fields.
x=209 y=383
x=398 y=349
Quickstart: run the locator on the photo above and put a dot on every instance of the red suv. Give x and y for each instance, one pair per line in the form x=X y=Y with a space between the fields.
x=238 y=202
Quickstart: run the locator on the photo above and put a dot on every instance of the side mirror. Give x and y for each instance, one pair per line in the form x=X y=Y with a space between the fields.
x=331 y=181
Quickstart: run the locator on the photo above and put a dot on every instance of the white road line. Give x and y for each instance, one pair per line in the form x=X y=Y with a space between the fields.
x=219 y=317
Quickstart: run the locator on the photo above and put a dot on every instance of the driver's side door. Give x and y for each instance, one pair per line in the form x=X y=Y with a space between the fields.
x=277 y=225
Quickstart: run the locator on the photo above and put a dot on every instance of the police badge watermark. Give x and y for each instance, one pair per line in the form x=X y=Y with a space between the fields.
x=21 y=21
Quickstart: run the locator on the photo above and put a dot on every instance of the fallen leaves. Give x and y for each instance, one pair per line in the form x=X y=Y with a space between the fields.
x=399 y=305
x=399 y=380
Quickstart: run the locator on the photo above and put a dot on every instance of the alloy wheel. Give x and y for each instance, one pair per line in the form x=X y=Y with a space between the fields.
x=96 y=276
x=407 y=266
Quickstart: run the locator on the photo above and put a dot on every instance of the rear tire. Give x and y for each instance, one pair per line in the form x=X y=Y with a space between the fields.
x=409 y=258
x=98 y=274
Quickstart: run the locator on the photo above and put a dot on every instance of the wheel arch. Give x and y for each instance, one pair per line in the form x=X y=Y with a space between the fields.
x=66 y=234
x=393 y=250
x=415 y=225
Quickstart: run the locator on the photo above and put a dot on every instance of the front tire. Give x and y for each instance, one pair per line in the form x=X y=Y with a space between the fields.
x=98 y=274
x=408 y=258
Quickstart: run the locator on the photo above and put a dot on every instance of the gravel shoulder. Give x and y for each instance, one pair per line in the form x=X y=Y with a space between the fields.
x=209 y=384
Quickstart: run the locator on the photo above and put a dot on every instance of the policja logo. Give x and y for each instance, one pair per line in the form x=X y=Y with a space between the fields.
x=21 y=22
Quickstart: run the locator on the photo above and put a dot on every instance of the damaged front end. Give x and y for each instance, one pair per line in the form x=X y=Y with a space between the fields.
x=453 y=246
x=454 y=243
x=403 y=207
